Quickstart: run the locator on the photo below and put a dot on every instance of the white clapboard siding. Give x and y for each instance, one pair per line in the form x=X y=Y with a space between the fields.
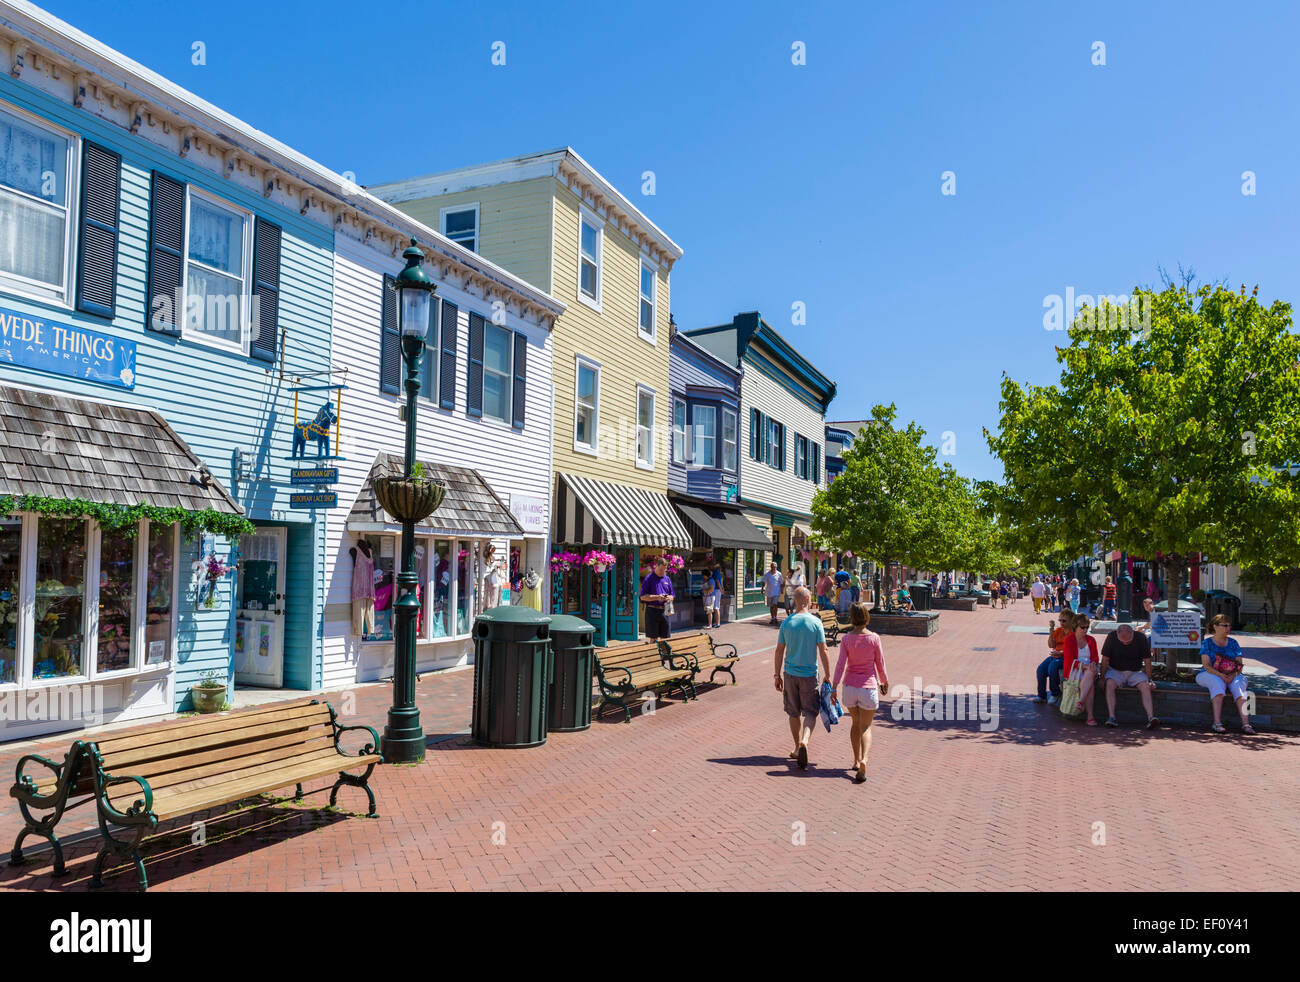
x=511 y=461
x=758 y=481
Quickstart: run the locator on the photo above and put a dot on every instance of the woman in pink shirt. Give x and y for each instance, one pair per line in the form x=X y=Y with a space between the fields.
x=865 y=682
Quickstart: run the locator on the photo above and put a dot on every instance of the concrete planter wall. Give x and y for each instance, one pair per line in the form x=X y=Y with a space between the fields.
x=955 y=603
x=1188 y=704
x=917 y=625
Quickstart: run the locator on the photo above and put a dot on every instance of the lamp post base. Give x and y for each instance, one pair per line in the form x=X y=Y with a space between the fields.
x=403 y=739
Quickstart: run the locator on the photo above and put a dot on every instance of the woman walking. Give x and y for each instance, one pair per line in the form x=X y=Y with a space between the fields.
x=865 y=682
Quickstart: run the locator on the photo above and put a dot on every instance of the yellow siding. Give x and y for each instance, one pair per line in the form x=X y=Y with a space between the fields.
x=610 y=337
x=514 y=222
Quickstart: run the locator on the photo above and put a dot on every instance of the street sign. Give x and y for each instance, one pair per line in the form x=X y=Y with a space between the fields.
x=314 y=499
x=299 y=476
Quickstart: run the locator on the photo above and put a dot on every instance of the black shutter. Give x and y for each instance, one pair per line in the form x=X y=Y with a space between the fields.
x=166 y=245
x=390 y=341
x=101 y=182
x=474 y=384
x=447 y=370
x=266 y=290
x=520 y=397
x=817 y=462
x=753 y=434
x=780 y=446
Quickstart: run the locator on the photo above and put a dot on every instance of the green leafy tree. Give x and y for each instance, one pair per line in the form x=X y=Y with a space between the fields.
x=1166 y=430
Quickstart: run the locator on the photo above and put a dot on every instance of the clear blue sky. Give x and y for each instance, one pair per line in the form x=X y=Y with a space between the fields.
x=819 y=183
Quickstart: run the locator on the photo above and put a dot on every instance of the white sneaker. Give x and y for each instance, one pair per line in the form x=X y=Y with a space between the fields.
x=1053 y=701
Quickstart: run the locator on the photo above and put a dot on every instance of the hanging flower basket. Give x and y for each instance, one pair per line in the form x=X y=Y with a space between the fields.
x=563 y=562
x=409 y=499
x=598 y=560
x=675 y=563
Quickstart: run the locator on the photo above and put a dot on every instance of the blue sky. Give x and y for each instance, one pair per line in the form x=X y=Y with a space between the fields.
x=819 y=183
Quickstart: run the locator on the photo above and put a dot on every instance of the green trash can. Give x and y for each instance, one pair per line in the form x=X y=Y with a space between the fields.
x=512 y=672
x=568 y=707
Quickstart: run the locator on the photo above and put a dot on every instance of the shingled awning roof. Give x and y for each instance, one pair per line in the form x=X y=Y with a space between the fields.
x=471 y=507
x=58 y=446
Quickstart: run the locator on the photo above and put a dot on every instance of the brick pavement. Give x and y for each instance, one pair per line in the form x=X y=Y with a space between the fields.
x=699 y=796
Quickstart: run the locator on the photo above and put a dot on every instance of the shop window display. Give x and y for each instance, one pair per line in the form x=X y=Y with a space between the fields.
x=11 y=539
x=60 y=597
x=116 y=600
x=158 y=594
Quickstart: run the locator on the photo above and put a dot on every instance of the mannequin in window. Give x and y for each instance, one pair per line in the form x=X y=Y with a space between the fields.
x=493 y=577
x=532 y=590
x=363 y=589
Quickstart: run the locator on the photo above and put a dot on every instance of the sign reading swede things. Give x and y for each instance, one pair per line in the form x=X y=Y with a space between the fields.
x=34 y=342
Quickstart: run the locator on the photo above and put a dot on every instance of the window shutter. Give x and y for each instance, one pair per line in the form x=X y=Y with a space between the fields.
x=520 y=398
x=780 y=446
x=390 y=340
x=266 y=290
x=447 y=370
x=474 y=382
x=101 y=183
x=753 y=434
x=166 y=245
x=817 y=462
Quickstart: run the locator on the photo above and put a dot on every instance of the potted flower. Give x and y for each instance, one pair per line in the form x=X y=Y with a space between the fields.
x=410 y=499
x=598 y=560
x=675 y=563
x=209 y=692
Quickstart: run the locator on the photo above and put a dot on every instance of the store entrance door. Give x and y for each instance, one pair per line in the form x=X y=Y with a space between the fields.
x=259 y=621
x=626 y=621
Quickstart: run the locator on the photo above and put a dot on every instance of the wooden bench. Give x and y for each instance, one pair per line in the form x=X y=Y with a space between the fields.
x=698 y=652
x=831 y=624
x=144 y=776
x=624 y=670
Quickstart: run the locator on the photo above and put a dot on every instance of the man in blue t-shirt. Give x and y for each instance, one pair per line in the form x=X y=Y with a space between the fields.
x=800 y=642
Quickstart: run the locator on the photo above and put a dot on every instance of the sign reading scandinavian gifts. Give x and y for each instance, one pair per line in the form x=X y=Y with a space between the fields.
x=32 y=342
x=313 y=475
x=1179 y=629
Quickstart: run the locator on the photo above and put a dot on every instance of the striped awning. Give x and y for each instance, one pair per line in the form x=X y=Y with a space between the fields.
x=600 y=513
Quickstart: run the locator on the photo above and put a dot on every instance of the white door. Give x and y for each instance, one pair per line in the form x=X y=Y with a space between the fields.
x=259 y=621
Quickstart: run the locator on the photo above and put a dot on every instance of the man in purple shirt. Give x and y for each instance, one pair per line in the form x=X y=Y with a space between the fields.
x=656 y=588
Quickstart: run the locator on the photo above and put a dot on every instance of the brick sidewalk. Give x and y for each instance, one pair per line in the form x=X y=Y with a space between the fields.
x=700 y=796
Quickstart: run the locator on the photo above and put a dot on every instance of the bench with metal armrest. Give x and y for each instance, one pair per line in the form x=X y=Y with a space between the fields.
x=625 y=670
x=699 y=652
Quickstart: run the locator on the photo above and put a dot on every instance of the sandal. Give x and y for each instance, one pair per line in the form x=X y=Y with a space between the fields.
x=1218 y=728
x=1153 y=722
x=1091 y=721
x=861 y=776
x=1247 y=729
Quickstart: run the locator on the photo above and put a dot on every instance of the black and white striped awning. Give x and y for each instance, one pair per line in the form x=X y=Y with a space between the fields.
x=599 y=513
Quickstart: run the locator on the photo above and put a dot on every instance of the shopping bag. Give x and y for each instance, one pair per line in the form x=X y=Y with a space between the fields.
x=1070 y=693
x=831 y=711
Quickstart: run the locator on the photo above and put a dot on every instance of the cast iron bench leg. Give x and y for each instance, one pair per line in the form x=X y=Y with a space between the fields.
x=357 y=782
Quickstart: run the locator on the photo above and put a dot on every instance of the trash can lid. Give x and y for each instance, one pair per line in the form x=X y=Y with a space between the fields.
x=568 y=624
x=513 y=614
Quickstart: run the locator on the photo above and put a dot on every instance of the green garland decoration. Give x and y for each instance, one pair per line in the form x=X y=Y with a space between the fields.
x=126 y=518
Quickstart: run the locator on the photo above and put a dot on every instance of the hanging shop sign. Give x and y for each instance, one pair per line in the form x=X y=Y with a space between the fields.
x=308 y=476
x=314 y=499
x=322 y=429
x=530 y=512
x=40 y=344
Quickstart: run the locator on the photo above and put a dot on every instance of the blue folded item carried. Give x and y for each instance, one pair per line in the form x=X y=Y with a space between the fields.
x=831 y=711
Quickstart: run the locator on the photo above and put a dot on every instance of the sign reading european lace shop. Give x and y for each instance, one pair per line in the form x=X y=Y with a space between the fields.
x=32 y=342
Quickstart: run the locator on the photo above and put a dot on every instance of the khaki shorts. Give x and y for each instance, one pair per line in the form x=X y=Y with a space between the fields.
x=800 y=695
x=853 y=697
x=1126 y=679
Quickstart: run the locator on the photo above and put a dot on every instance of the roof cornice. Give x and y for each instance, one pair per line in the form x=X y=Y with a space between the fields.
x=62 y=61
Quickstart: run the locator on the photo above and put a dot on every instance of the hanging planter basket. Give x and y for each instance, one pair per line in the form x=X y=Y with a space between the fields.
x=409 y=499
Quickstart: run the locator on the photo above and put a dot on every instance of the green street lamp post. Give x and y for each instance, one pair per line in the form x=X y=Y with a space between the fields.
x=403 y=740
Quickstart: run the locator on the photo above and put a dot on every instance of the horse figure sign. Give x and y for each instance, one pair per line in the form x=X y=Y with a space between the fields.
x=318 y=428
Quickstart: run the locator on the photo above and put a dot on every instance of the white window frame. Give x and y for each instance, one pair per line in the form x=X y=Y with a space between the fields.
x=509 y=375
x=455 y=210
x=581 y=362
x=696 y=445
x=678 y=449
x=735 y=441
x=588 y=217
x=802 y=463
x=645 y=465
x=21 y=286
x=202 y=337
x=431 y=393
x=653 y=300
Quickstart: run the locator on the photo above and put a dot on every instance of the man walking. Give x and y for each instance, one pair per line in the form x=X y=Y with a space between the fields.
x=800 y=643
x=772 y=581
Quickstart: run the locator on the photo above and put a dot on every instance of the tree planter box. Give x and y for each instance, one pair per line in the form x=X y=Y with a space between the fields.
x=1188 y=704
x=920 y=624
x=955 y=603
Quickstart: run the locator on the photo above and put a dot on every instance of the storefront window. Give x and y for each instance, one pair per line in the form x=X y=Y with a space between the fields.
x=726 y=561
x=385 y=587
x=465 y=565
x=11 y=540
x=60 y=597
x=116 y=600
x=627 y=588
x=753 y=569
x=572 y=591
x=442 y=623
x=158 y=593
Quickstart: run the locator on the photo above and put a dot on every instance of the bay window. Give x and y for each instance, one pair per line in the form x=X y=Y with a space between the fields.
x=679 y=431
x=78 y=600
x=705 y=432
x=36 y=165
x=730 y=440
x=448 y=570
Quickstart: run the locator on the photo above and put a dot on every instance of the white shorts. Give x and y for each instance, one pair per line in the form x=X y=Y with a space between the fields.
x=851 y=696
x=711 y=601
x=1125 y=679
x=1218 y=687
